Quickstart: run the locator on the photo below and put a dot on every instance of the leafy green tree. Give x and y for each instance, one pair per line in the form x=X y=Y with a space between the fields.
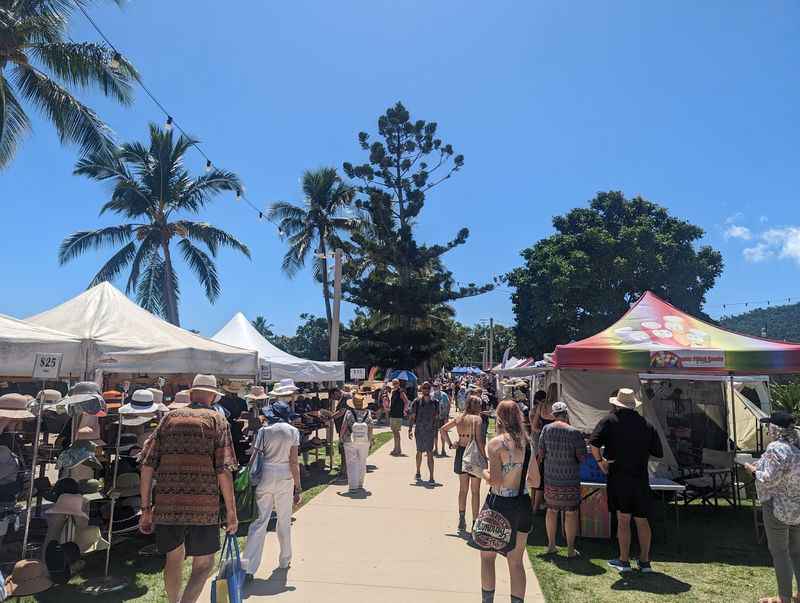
x=465 y=344
x=40 y=65
x=786 y=396
x=777 y=322
x=316 y=227
x=152 y=189
x=601 y=258
x=401 y=283
x=263 y=327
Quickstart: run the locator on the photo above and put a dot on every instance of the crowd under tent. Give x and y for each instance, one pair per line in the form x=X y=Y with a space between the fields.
x=275 y=363
x=20 y=341
x=689 y=375
x=122 y=337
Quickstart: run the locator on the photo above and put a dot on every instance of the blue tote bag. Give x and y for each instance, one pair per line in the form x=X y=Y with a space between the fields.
x=227 y=586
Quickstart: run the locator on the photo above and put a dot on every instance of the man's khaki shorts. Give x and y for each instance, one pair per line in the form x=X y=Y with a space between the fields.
x=396 y=424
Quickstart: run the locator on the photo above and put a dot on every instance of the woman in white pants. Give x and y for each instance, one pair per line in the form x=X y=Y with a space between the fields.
x=356 y=435
x=279 y=486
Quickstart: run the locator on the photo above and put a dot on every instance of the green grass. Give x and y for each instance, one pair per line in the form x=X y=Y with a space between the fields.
x=713 y=557
x=145 y=573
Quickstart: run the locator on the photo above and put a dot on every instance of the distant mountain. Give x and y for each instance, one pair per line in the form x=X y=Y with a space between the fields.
x=780 y=322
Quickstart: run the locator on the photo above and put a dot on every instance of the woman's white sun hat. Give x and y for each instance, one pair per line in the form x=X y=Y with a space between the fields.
x=284 y=387
x=206 y=383
x=625 y=398
x=141 y=403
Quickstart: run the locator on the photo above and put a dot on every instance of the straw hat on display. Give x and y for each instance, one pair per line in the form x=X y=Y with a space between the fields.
x=89 y=539
x=206 y=383
x=284 y=388
x=141 y=403
x=256 y=393
x=28 y=578
x=113 y=399
x=49 y=396
x=625 y=398
x=14 y=406
x=182 y=400
x=68 y=504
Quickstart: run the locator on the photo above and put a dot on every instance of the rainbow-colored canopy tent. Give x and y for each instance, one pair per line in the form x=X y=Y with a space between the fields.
x=655 y=336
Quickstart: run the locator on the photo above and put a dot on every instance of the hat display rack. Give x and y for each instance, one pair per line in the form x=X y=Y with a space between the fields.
x=29 y=505
x=108 y=583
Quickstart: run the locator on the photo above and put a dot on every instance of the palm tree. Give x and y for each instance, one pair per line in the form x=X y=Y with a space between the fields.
x=316 y=227
x=39 y=64
x=151 y=187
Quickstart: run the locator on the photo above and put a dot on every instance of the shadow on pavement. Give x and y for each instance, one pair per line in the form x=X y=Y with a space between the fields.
x=357 y=495
x=274 y=585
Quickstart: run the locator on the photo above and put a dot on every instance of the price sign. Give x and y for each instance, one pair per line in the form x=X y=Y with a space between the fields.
x=358 y=374
x=47 y=367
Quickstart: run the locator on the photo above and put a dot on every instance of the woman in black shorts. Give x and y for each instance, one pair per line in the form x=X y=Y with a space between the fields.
x=468 y=426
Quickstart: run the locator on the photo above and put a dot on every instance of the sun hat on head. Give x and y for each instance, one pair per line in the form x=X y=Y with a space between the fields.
x=68 y=504
x=206 y=383
x=279 y=412
x=256 y=393
x=232 y=388
x=780 y=418
x=625 y=398
x=284 y=387
x=360 y=400
x=29 y=577
x=559 y=407
x=15 y=406
x=181 y=400
x=141 y=402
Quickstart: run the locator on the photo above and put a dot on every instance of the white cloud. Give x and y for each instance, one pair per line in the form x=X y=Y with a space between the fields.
x=734 y=218
x=735 y=231
x=783 y=243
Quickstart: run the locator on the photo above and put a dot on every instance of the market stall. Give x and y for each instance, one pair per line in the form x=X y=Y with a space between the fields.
x=275 y=363
x=20 y=341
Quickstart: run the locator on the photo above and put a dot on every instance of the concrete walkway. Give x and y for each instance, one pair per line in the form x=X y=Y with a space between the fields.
x=397 y=544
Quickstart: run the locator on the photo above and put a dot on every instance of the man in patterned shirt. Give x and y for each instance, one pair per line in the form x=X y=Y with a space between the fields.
x=192 y=458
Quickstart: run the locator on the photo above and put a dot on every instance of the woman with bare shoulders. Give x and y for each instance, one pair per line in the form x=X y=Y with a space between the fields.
x=468 y=426
x=542 y=417
x=508 y=504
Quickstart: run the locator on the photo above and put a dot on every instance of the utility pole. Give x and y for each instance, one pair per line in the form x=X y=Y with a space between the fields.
x=337 y=302
x=491 y=343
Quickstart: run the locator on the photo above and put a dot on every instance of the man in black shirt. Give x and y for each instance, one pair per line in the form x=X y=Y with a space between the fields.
x=629 y=440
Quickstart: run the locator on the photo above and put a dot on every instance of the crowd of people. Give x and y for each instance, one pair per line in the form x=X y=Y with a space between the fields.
x=532 y=462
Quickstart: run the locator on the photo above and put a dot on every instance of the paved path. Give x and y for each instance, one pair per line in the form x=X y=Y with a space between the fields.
x=396 y=545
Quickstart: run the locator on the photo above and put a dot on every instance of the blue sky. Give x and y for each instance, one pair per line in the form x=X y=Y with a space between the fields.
x=692 y=105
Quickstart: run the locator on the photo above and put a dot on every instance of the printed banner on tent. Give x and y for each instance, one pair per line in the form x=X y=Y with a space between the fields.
x=690 y=358
x=358 y=374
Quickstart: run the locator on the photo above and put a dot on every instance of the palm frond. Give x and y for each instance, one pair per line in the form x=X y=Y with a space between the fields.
x=203 y=267
x=149 y=245
x=80 y=242
x=150 y=290
x=74 y=122
x=286 y=211
x=200 y=191
x=118 y=262
x=89 y=65
x=14 y=123
x=211 y=236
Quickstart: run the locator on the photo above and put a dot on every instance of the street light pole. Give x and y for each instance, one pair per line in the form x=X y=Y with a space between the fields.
x=337 y=302
x=491 y=343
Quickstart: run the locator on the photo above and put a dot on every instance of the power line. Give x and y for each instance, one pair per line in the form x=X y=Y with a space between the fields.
x=171 y=122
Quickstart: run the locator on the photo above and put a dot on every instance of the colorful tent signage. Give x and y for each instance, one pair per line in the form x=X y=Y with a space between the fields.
x=654 y=335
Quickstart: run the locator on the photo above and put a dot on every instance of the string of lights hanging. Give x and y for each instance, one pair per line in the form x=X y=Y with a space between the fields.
x=170 y=122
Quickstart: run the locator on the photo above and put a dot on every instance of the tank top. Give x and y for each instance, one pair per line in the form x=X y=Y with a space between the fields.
x=397 y=407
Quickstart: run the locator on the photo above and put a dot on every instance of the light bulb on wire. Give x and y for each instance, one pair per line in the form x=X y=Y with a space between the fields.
x=208 y=166
x=238 y=194
x=168 y=125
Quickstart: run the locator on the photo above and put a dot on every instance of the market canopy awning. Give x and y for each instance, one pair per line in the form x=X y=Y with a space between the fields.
x=20 y=341
x=122 y=337
x=277 y=364
x=655 y=336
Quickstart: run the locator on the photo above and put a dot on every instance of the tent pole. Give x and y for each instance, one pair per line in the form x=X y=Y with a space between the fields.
x=733 y=413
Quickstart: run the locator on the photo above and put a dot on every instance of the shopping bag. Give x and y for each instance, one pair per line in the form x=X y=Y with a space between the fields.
x=244 y=493
x=227 y=586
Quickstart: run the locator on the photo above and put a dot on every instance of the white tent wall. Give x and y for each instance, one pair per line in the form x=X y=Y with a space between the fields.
x=747 y=414
x=20 y=341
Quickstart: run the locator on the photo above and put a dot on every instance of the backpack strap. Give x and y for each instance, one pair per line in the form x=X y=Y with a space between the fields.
x=524 y=475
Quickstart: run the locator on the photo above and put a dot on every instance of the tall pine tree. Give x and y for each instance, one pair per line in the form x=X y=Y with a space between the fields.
x=402 y=284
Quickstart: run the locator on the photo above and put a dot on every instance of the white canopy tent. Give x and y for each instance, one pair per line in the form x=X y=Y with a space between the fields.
x=122 y=337
x=275 y=363
x=21 y=341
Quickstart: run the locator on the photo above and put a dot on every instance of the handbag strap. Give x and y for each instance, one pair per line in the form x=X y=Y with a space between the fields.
x=524 y=475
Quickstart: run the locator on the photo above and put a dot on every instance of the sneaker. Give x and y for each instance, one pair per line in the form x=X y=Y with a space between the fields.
x=645 y=567
x=418 y=477
x=432 y=482
x=621 y=566
x=462 y=524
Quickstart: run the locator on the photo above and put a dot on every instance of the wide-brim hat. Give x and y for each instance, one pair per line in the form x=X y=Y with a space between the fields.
x=256 y=393
x=360 y=400
x=181 y=400
x=15 y=406
x=141 y=403
x=29 y=577
x=78 y=403
x=68 y=504
x=232 y=388
x=625 y=398
x=137 y=419
x=89 y=429
x=206 y=383
x=158 y=395
x=90 y=539
x=284 y=387
x=81 y=451
x=49 y=396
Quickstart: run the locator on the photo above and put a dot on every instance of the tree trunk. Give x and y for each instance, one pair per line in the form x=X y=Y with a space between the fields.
x=169 y=293
x=326 y=292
